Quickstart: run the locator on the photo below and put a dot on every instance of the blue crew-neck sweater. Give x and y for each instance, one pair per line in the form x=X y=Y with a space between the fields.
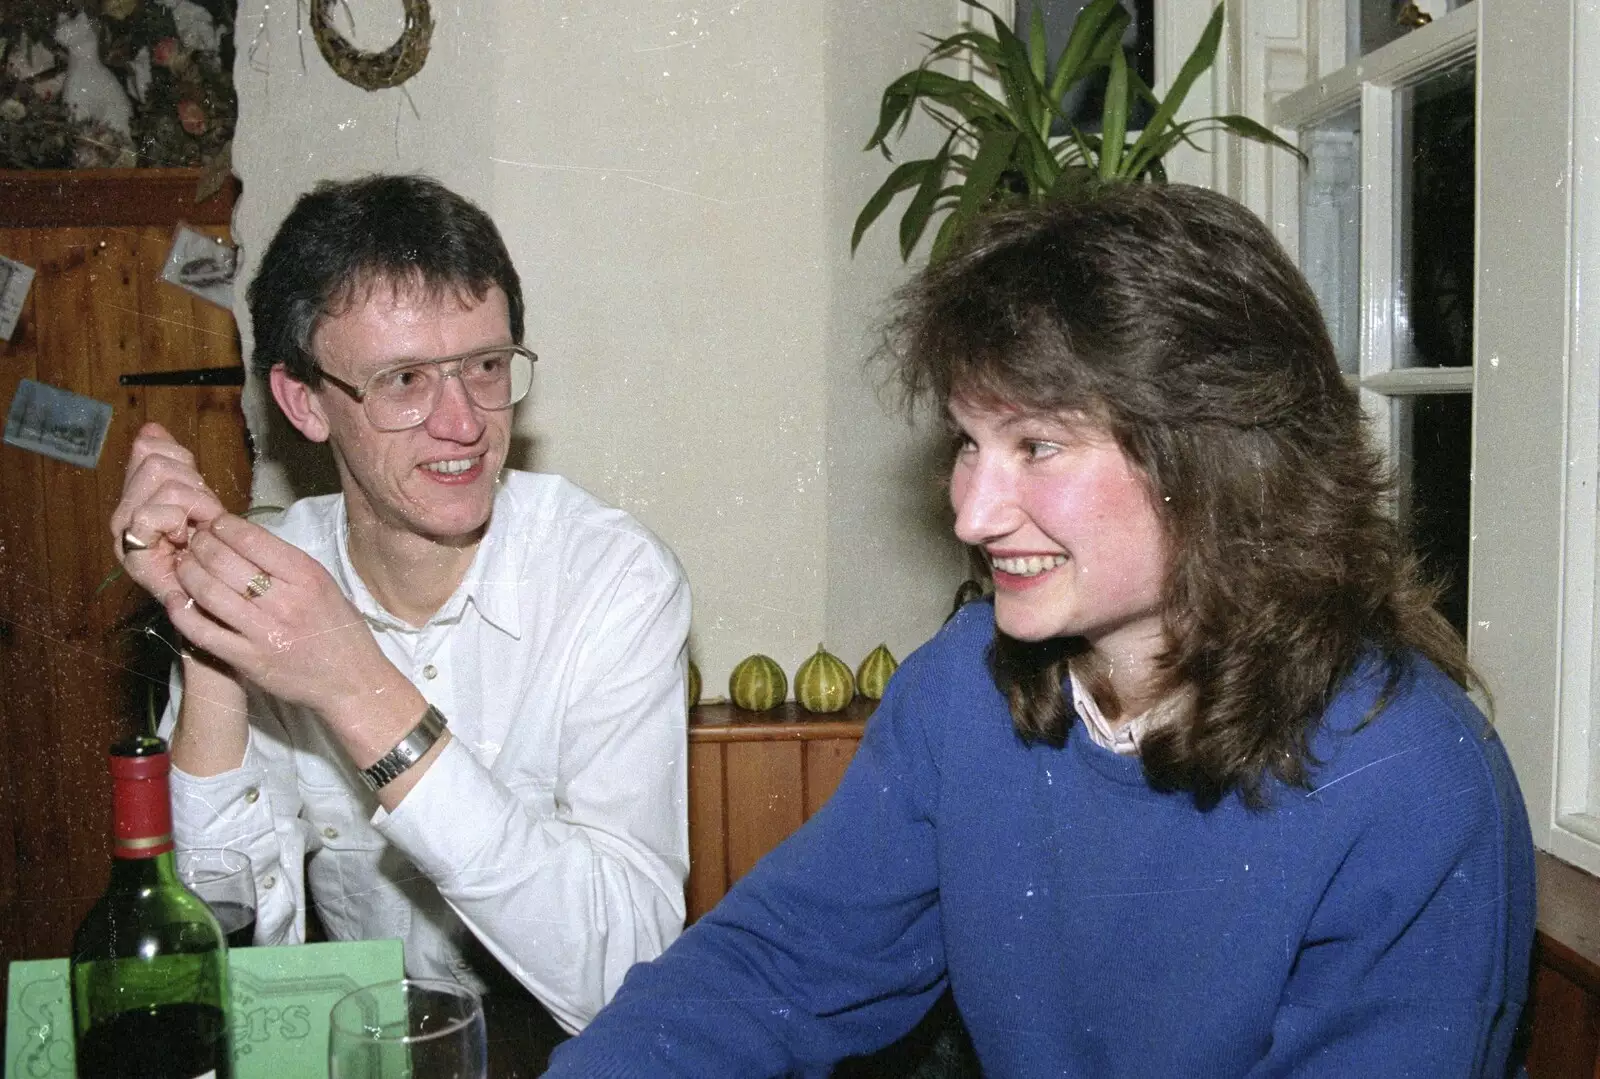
x=1377 y=923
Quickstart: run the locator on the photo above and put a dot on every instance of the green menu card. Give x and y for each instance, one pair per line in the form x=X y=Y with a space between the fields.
x=281 y=997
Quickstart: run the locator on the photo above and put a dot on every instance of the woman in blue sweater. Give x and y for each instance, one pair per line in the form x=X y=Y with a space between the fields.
x=1199 y=792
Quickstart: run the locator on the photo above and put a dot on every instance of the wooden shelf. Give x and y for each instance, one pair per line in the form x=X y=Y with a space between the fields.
x=788 y=722
x=51 y=198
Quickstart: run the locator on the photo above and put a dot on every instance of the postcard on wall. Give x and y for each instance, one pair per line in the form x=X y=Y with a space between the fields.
x=204 y=265
x=15 y=280
x=57 y=423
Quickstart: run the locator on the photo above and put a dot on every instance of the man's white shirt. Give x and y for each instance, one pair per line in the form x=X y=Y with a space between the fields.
x=553 y=825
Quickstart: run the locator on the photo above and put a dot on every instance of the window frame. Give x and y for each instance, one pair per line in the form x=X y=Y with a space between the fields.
x=1536 y=377
x=1377 y=84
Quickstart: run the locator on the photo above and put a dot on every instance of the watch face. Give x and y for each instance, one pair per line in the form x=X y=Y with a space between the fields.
x=408 y=752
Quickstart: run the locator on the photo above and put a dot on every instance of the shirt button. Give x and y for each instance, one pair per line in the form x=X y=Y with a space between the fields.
x=330 y=832
x=430 y=671
x=252 y=794
x=268 y=881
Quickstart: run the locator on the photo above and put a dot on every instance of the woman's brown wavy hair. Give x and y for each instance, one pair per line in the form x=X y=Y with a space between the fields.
x=1172 y=316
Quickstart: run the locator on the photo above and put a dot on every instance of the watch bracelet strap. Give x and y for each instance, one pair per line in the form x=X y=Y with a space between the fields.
x=387 y=768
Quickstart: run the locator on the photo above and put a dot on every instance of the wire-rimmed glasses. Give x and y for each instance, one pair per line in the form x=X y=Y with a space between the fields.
x=403 y=396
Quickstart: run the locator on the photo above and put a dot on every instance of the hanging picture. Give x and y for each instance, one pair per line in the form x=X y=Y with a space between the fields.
x=204 y=265
x=15 y=280
x=57 y=423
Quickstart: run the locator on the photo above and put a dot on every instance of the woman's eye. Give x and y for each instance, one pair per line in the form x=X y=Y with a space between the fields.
x=962 y=444
x=1038 y=450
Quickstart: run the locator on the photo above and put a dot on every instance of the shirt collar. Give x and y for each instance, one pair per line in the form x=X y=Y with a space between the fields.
x=489 y=583
x=1124 y=738
x=491 y=580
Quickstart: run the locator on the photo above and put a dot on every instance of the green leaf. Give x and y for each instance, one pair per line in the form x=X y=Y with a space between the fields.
x=1205 y=51
x=982 y=45
x=116 y=571
x=1038 y=50
x=1154 y=150
x=904 y=93
x=915 y=220
x=1087 y=145
x=949 y=229
x=1102 y=21
x=906 y=176
x=1038 y=162
x=1250 y=129
x=962 y=95
x=1014 y=70
x=1102 y=48
x=994 y=154
x=1141 y=90
x=1114 y=118
x=898 y=97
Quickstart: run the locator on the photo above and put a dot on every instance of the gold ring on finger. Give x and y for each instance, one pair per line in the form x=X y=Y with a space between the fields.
x=258 y=585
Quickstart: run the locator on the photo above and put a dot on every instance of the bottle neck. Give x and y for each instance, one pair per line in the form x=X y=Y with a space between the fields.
x=141 y=807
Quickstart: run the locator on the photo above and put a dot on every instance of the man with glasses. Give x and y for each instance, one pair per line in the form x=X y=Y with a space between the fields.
x=453 y=693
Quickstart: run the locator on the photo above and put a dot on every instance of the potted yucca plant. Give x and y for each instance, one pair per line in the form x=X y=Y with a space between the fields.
x=1023 y=145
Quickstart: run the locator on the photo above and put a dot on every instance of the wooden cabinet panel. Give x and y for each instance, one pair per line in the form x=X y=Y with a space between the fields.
x=765 y=793
x=754 y=777
x=708 y=838
x=826 y=760
x=1566 y=1028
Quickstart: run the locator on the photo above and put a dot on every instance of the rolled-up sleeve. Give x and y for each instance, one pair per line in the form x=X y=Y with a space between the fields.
x=568 y=901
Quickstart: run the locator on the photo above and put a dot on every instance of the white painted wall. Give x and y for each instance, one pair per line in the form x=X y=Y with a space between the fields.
x=677 y=185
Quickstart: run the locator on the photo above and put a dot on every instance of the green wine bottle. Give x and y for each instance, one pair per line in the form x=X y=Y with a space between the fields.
x=149 y=963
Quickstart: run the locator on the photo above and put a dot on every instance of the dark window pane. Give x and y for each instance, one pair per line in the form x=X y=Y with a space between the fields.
x=1440 y=173
x=1435 y=442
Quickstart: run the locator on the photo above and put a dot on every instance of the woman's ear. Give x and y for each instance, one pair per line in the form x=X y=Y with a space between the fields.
x=299 y=404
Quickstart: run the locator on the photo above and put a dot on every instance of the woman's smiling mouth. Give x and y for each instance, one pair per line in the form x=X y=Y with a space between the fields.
x=1027 y=565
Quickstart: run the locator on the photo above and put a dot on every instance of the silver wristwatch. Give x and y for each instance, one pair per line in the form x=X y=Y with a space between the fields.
x=410 y=750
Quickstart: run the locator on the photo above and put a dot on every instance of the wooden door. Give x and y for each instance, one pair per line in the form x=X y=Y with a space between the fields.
x=97 y=310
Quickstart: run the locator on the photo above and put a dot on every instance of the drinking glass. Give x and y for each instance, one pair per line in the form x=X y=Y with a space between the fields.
x=409 y=1029
x=227 y=882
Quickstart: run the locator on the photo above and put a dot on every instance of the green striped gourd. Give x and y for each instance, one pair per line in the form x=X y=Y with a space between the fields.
x=872 y=677
x=757 y=683
x=823 y=683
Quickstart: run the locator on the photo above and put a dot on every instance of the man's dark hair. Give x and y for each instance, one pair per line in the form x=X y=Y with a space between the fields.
x=1170 y=315
x=344 y=238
